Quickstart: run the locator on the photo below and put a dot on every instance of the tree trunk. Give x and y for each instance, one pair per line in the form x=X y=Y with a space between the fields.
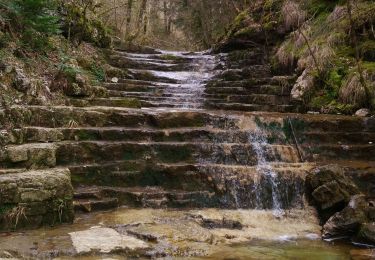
x=142 y=12
x=128 y=16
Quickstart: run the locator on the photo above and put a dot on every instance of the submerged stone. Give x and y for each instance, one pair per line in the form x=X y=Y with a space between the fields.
x=348 y=221
x=104 y=240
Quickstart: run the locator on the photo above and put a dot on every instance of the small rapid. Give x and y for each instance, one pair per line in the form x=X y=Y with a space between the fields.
x=185 y=74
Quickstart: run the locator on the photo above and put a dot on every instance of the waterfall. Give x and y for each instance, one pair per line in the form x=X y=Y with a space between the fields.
x=188 y=92
x=265 y=172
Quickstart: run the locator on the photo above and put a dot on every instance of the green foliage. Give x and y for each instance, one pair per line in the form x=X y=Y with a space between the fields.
x=78 y=26
x=35 y=20
x=5 y=208
x=68 y=69
x=98 y=72
x=317 y=7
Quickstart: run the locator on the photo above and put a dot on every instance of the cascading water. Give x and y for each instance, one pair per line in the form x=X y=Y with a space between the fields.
x=188 y=90
x=265 y=172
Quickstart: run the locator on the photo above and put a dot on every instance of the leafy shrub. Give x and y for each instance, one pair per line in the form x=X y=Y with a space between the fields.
x=34 y=20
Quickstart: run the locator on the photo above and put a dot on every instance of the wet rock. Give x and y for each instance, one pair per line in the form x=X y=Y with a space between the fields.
x=330 y=189
x=32 y=156
x=218 y=223
x=348 y=221
x=105 y=240
x=35 y=198
x=303 y=86
x=367 y=233
x=364 y=112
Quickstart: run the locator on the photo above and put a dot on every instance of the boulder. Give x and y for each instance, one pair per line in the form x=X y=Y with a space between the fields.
x=363 y=112
x=348 y=221
x=303 y=87
x=330 y=189
x=367 y=233
x=21 y=82
x=31 y=199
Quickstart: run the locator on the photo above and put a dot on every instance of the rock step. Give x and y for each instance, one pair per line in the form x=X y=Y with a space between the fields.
x=250 y=107
x=30 y=156
x=200 y=134
x=89 y=205
x=32 y=198
x=173 y=104
x=262 y=99
x=171 y=152
x=155 y=197
x=251 y=71
x=345 y=152
x=253 y=89
x=156 y=89
x=40 y=155
x=146 y=75
x=72 y=117
x=187 y=177
x=286 y=81
x=151 y=94
x=343 y=138
x=135 y=82
x=171 y=98
x=248 y=99
x=110 y=102
x=103 y=116
x=168 y=58
x=130 y=88
x=148 y=64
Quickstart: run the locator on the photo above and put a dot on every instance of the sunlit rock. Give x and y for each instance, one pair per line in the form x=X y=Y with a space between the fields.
x=104 y=240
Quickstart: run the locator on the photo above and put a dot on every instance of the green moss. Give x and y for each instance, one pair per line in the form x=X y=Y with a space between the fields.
x=245 y=32
x=298 y=127
x=129 y=102
x=320 y=101
x=367 y=49
x=317 y=7
x=5 y=208
x=369 y=66
x=98 y=72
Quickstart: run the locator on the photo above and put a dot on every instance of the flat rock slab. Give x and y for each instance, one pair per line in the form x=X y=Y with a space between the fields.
x=104 y=240
x=175 y=234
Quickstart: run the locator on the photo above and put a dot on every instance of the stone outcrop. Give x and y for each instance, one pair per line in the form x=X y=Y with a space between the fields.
x=330 y=189
x=303 y=87
x=35 y=198
x=344 y=210
x=348 y=221
x=367 y=231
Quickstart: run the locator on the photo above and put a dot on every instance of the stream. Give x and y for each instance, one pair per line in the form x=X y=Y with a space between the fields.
x=230 y=188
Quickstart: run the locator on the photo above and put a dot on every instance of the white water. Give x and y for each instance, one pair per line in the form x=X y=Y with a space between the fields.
x=188 y=93
x=265 y=171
